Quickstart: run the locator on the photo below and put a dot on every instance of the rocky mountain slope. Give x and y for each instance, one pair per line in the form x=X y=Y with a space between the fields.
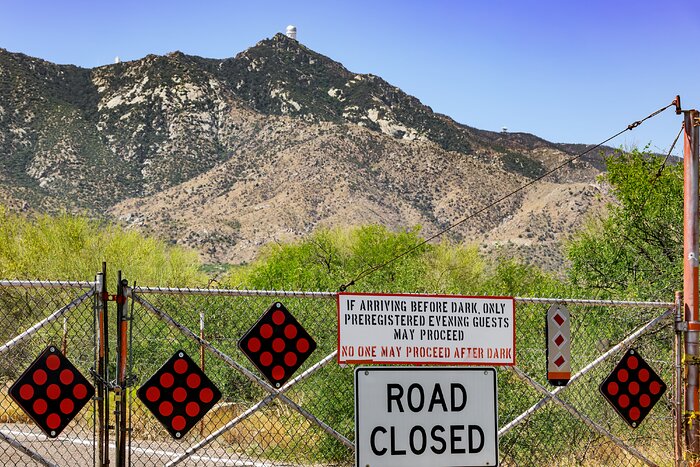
x=226 y=155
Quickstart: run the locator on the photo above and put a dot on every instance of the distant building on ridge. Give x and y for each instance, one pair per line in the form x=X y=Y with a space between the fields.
x=292 y=32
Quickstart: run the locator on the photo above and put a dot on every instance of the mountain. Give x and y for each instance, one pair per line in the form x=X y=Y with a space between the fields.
x=226 y=155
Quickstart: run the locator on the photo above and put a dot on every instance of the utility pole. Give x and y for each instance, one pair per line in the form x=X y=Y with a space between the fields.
x=691 y=121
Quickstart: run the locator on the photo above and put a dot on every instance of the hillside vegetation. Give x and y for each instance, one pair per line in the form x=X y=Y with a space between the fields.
x=225 y=155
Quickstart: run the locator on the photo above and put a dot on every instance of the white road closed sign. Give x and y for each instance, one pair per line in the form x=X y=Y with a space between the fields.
x=435 y=329
x=427 y=416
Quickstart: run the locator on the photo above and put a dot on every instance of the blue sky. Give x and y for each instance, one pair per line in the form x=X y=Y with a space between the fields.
x=565 y=71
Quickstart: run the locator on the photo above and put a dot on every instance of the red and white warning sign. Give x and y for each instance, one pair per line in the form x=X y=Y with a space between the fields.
x=428 y=329
x=558 y=345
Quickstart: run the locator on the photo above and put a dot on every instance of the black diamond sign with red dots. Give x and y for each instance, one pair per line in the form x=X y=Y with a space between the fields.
x=52 y=391
x=277 y=344
x=633 y=388
x=179 y=394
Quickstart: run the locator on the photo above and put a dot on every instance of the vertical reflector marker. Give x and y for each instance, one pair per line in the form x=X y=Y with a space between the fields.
x=558 y=345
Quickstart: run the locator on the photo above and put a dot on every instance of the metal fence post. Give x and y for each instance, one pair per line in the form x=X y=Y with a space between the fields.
x=102 y=368
x=678 y=381
x=121 y=389
x=690 y=283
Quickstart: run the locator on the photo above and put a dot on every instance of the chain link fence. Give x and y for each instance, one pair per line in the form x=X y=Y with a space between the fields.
x=310 y=419
x=574 y=425
x=33 y=316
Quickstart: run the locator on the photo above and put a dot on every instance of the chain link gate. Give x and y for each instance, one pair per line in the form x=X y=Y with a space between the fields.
x=38 y=315
x=310 y=419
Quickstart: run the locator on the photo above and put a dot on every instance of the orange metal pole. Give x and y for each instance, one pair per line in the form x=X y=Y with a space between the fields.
x=690 y=283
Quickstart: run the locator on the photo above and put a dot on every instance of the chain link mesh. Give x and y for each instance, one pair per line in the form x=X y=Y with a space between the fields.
x=312 y=421
x=65 y=313
x=275 y=433
x=552 y=435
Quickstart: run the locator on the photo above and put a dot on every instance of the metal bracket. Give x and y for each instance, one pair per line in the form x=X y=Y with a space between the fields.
x=691 y=360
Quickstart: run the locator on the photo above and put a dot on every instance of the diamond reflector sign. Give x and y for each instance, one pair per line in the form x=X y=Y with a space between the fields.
x=633 y=388
x=52 y=391
x=179 y=394
x=558 y=345
x=277 y=344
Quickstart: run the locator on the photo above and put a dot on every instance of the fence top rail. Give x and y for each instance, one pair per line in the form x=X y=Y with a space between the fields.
x=592 y=302
x=232 y=292
x=332 y=295
x=48 y=284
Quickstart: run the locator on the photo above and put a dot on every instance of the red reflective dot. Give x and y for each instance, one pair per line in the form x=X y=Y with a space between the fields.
x=67 y=406
x=266 y=331
x=53 y=421
x=278 y=317
x=26 y=392
x=266 y=359
x=623 y=401
x=278 y=373
x=633 y=388
x=192 y=409
x=206 y=395
x=66 y=377
x=79 y=391
x=180 y=366
x=622 y=375
x=613 y=388
x=153 y=394
x=40 y=406
x=53 y=391
x=644 y=400
x=655 y=387
x=643 y=375
x=290 y=331
x=632 y=363
x=635 y=413
x=290 y=359
x=165 y=408
x=166 y=380
x=53 y=362
x=303 y=345
x=179 y=394
x=39 y=377
x=278 y=345
x=254 y=344
x=193 y=380
x=178 y=423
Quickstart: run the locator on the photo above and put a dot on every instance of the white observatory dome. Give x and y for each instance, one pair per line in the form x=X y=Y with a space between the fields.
x=292 y=32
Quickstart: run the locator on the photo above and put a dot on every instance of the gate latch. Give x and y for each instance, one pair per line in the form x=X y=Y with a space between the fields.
x=120 y=299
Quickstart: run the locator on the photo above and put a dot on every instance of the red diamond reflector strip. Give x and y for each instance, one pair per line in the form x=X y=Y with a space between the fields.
x=558 y=322
x=52 y=391
x=179 y=394
x=277 y=344
x=633 y=388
